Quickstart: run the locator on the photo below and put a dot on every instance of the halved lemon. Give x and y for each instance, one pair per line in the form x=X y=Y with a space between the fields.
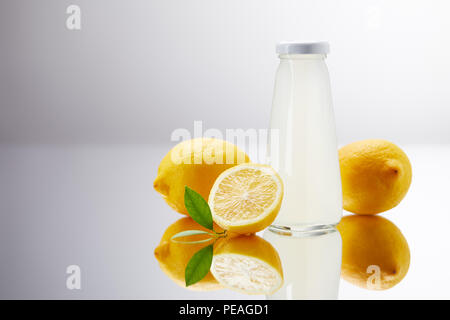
x=246 y=198
x=247 y=264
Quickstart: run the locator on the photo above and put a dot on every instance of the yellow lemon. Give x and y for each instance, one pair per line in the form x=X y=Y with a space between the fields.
x=194 y=163
x=247 y=264
x=246 y=198
x=375 y=254
x=376 y=175
x=173 y=257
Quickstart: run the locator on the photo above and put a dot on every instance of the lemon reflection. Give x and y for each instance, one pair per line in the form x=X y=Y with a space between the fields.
x=247 y=264
x=311 y=263
x=244 y=263
x=173 y=257
x=375 y=254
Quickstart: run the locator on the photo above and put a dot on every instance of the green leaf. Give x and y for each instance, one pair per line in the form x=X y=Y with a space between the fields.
x=198 y=208
x=188 y=233
x=199 y=265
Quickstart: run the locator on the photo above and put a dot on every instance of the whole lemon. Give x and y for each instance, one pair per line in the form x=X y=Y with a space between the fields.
x=195 y=163
x=375 y=254
x=376 y=175
x=173 y=257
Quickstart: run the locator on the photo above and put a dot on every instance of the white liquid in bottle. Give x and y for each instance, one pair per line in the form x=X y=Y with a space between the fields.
x=305 y=151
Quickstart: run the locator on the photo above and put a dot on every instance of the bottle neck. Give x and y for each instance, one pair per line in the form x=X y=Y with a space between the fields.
x=302 y=56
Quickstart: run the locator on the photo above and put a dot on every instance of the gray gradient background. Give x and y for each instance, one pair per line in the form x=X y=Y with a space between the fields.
x=139 y=69
x=86 y=116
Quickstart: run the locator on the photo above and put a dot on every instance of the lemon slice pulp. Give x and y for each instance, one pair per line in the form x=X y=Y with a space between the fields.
x=248 y=264
x=246 y=198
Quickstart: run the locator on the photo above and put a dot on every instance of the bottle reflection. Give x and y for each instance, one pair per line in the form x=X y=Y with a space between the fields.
x=311 y=263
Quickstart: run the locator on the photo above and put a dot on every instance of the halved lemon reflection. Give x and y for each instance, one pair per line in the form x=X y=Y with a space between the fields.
x=244 y=263
x=375 y=254
x=173 y=257
x=311 y=263
x=247 y=264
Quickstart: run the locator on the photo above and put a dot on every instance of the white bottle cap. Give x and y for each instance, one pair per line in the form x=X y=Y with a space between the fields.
x=303 y=48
